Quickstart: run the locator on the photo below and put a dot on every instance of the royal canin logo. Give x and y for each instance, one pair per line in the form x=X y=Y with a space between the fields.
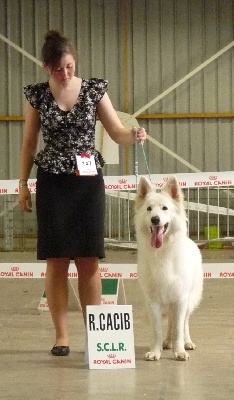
x=15 y=268
x=111 y=355
x=102 y=269
x=213 y=177
x=122 y=181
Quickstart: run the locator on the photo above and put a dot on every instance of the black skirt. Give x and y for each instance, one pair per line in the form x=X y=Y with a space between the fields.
x=70 y=215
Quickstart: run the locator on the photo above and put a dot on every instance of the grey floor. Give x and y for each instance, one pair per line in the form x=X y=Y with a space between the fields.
x=28 y=371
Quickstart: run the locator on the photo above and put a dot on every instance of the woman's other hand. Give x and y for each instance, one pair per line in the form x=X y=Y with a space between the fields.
x=25 y=200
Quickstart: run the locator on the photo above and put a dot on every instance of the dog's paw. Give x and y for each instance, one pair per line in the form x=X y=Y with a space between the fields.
x=190 y=346
x=167 y=344
x=181 y=356
x=153 y=356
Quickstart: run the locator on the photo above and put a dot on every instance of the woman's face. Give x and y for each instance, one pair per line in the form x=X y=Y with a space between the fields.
x=64 y=72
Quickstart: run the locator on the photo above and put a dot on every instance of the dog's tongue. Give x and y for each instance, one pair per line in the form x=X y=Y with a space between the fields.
x=157 y=236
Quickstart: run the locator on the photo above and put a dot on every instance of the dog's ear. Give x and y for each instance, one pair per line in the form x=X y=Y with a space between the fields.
x=172 y=187
x=144 y=187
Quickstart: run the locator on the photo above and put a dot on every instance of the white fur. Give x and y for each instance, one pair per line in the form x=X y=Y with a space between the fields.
x=171 y=275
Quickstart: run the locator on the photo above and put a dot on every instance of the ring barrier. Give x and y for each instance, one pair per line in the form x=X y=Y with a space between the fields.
x=37 y=270
x=210 y=213
x=124 y=187
x=128 y=182
x=113 y=276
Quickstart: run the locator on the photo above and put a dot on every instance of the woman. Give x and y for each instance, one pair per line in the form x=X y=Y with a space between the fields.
x=70 y=197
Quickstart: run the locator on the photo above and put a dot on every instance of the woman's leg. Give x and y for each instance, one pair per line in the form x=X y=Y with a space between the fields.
x=56 y=287
x=89 y=282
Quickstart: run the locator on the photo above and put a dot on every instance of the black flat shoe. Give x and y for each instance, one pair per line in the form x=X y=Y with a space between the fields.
x=60 y=350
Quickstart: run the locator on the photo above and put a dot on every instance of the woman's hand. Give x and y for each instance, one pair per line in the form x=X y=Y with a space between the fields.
x=25 y=200
x=139 y=134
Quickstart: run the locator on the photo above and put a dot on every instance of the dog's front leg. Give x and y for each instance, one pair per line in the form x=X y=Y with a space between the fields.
x=178 y=322
x=188 y=344
x=155 y=314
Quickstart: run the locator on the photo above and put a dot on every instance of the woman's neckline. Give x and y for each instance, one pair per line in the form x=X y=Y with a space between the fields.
x=77 y=98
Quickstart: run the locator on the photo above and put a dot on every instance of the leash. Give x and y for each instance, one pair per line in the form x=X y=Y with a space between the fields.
x=136 y=159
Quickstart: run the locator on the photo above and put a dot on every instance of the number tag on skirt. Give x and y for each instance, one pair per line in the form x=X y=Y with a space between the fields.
x=86 y=164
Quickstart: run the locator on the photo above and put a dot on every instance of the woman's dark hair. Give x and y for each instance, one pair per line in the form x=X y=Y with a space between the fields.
x=55 y=47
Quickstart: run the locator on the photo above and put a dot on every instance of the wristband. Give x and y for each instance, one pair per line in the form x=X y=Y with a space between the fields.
x=21 y=185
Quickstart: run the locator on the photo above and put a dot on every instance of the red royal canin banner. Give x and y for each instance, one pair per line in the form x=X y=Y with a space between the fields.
x=128 y=182
x=108 y=271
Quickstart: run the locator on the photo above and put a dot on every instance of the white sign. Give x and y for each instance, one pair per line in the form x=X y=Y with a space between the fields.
x=110 y=337
x=86 y=164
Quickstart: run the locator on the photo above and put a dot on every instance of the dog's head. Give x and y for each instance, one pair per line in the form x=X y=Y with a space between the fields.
x=159 y=214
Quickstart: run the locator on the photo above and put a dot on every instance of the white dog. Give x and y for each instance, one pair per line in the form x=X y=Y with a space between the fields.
x=169 y=266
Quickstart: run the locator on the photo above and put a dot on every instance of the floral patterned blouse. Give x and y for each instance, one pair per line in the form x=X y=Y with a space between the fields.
x=67 y=133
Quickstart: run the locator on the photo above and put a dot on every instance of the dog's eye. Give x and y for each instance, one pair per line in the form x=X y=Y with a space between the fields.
x=165 y=208
x=149 y=208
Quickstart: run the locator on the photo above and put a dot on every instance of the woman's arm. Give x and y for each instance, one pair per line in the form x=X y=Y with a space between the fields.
x=28 y=153
x=114 y=126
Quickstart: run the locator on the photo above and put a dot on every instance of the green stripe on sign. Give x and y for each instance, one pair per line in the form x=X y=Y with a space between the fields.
x=109 y=286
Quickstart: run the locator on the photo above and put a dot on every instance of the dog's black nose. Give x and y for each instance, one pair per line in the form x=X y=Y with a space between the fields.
x=155 y=220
